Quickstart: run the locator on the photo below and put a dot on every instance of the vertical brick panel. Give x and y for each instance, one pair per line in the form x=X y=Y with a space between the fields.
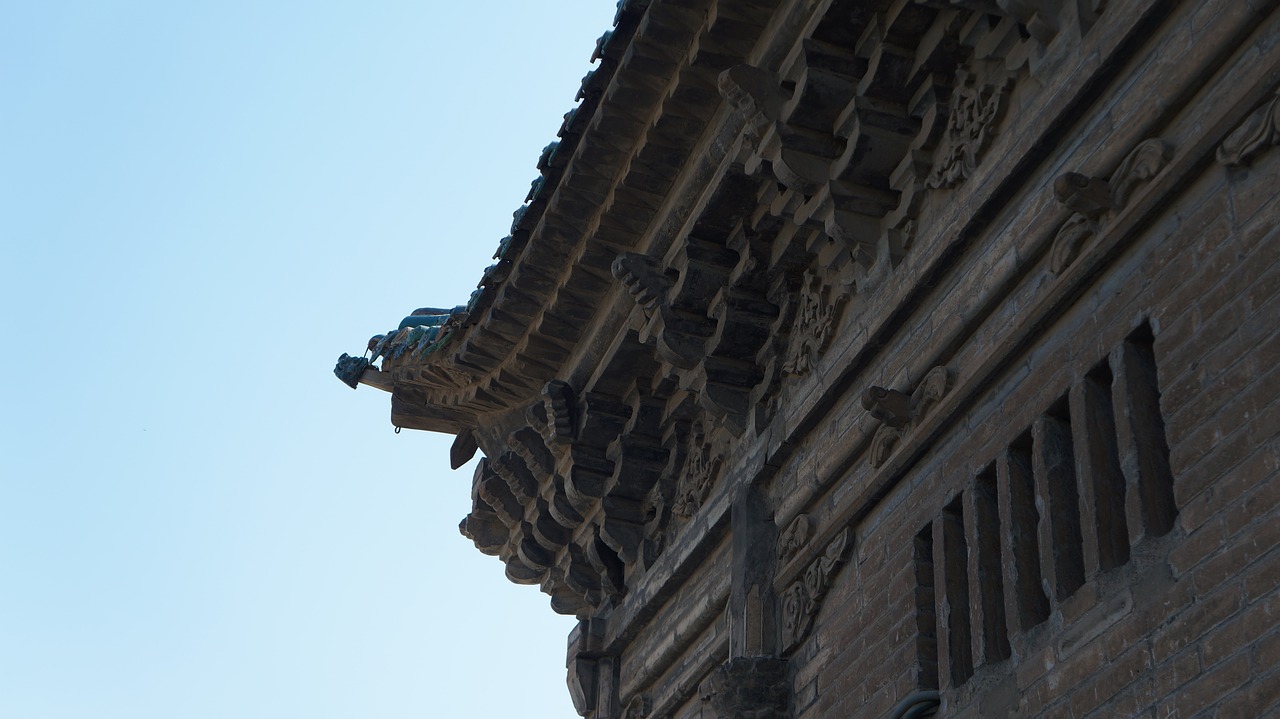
x=1056 y=494
x=951 y=582
x=986 y=584
x=1026 y=604
x=1104 y=533
x=1144 y=451
x=926 y=617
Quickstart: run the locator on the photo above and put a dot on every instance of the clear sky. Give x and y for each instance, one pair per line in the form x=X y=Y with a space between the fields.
x=202 y=204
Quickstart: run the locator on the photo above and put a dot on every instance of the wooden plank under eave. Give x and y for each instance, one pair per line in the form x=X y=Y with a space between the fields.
x=412 y=415
x=377 y=379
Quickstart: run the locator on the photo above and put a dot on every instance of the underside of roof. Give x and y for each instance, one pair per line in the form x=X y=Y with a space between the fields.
x=777 y=246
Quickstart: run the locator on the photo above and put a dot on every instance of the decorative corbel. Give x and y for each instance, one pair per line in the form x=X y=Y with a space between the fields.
x=558 y=404
x=888 y=405
x=1094 y=201
x=1039 y=17
x=755 y=94
x=1088 y=196
x=643 y=278
x=901 y=412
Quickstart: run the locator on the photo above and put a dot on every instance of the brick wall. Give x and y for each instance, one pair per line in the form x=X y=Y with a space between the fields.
x=1052 y=581
x=1097 y=534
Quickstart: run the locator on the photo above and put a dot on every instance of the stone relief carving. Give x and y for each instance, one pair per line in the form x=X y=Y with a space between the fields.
x=1259 y=131
x=802 y=599
x=639 y=707
x=1088 y=196
x=883 y=444
x=748 y=688
x=888 y=405
x=901 y=412
x=814 y=325
x=1071 y=238
x=700 y=472
x=932 y=388
x=1095 y=200
x=794 y=538
x=975 y=110
x=1142 y=164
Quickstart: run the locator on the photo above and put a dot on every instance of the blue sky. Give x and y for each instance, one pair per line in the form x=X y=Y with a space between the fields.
x=202 y=204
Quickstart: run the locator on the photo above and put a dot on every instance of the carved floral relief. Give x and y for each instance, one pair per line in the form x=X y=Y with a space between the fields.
x=794 y=538
x=701 y=469
x=975 y=110
x=801 y=600
x=814 y=325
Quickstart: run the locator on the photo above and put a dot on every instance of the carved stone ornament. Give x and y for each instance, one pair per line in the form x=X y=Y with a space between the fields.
x=901 y=412
x=700 y=472
x=639 y=707
x=801 y=601
x=349 y=369
x=557 y=399
x=642 y=277
x=1094 y=200
x=748 y=688
x=975 y=110
x=1258 y=132
x=883 y=444
x=1070 y=240
x=1143 y=163
x=794 y=538
x=814 y=323
x=932 y=388
x=888 y=405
